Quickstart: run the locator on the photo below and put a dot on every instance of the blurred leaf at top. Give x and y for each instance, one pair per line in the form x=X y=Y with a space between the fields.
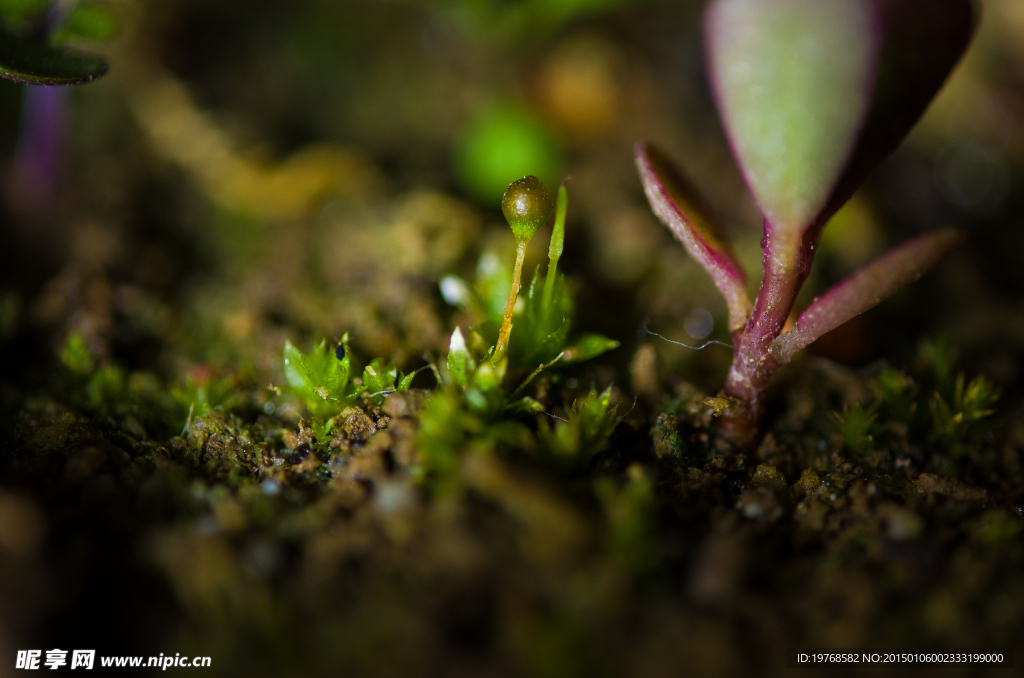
x=34 y=60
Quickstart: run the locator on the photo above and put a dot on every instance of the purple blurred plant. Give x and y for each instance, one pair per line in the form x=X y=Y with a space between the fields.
x=813 y=94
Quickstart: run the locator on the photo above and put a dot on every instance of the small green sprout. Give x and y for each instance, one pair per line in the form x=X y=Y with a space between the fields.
x=76 y=355
x=590 y=423
x=897 y=393
x=474 y=406
x=478 y=369
x=135 y=401
x=322 y=429
x=381 y=377
x=202 y=393
x=955 y=421
x=482 y=384
x=855 y=425
x=543 y=320
x=320 y=378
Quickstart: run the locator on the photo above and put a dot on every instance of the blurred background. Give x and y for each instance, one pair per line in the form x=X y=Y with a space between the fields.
x=255 y=171
x=277 y=145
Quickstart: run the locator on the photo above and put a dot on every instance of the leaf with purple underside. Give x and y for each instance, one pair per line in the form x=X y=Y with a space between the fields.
x=680 y=208
x=33 y=63
x=867 y=287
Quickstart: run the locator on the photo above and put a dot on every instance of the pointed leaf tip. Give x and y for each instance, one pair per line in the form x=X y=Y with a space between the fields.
x=678 y=206
x=461 y=365
x=866 y=288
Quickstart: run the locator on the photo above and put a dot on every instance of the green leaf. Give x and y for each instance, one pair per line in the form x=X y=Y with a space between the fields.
x=793 y=81
x=319 y=378
x=557 y=242
x=525 y=405
x=32 y=63
x=379 y=376
x=589 y=346
x=813 y=95
x=76 y=355
x=461 y=366
x=533 y=375
x=406 y=382
x=596 y=420
x=554 y=341
x=322 y=430
x=294 y=371
x=201 y=396
x=590 y=423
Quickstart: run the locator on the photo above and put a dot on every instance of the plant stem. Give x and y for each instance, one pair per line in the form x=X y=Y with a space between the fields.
x=555 y=247
x=501 y=349
x=753 y=364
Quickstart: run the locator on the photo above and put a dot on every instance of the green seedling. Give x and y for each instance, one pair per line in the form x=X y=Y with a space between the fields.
x=812 y=96
x=321 y=378
x=202 y=393
x=854 y=425
x=542 y=326
x=956 y=419
x=574 y=441
x=475 y=404
x=135 y=402
x=544 y=322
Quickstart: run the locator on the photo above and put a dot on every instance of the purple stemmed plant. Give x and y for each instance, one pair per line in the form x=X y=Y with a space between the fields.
x=812 y=94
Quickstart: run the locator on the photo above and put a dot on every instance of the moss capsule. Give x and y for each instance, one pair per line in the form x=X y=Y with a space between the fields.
x=526 y=206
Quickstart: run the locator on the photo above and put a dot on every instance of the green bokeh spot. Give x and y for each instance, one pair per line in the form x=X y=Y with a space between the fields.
x=90 y=23
x=501 y=146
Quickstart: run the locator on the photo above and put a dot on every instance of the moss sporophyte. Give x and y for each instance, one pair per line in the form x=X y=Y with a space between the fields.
x=812 y=96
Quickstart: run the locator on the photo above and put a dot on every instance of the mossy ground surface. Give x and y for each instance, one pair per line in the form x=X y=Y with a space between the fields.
x=882 y=509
